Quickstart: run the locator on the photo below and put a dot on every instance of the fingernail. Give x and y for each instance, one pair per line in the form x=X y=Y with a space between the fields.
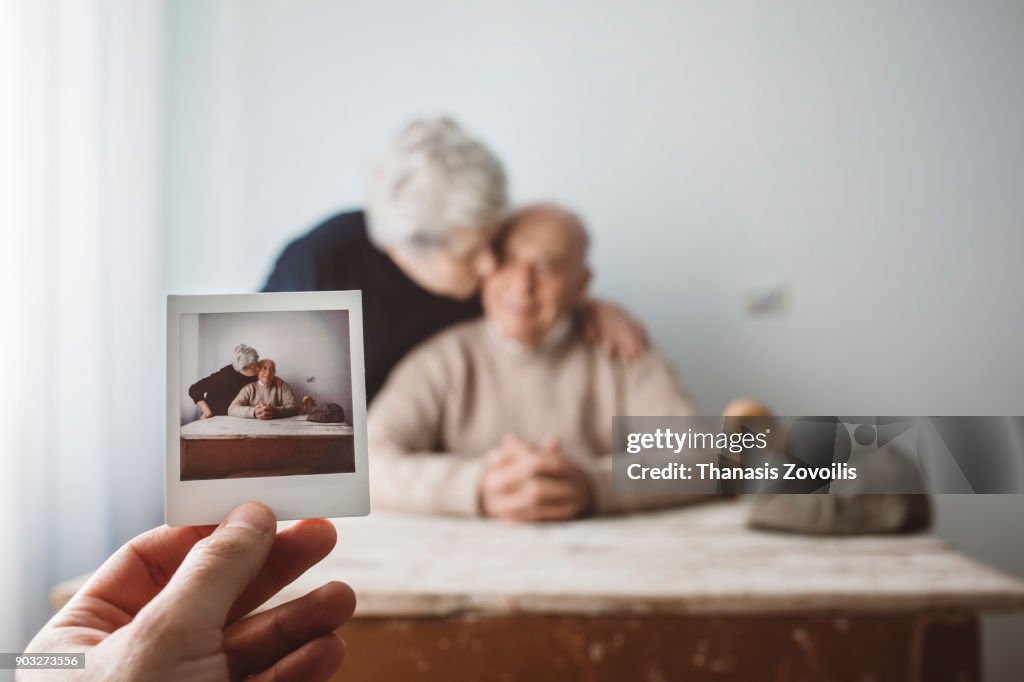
x=251 y=516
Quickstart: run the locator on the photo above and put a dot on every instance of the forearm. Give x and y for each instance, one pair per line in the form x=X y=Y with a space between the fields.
x=237 y=409
x=197 y=391
x=640 y=497
x=286 y=410
x=289 y=406
x=425 y=482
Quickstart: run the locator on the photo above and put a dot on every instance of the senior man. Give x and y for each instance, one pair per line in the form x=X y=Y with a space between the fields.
x=510 y=416
x=267 y=398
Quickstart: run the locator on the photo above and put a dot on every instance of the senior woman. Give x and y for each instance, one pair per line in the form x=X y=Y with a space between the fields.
x=214 y=394
x=419 y=251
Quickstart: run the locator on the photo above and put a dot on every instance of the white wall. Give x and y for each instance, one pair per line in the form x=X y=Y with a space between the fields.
x=310 y=349
x=868 y=156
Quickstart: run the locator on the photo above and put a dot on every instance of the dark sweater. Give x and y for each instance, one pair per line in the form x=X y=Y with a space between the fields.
x=219 y=389
x=397 y=313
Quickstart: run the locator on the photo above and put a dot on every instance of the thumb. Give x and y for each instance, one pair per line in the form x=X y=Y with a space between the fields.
x=218 y=569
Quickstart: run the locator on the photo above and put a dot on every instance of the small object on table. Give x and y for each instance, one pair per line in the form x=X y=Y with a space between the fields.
x=841 y=514
x=328 y=413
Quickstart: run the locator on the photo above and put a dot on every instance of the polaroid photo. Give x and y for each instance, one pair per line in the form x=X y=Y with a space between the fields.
x=266 y=401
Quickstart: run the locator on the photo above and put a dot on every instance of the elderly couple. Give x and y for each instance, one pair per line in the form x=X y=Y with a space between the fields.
x=248 y=388
x=505 y=415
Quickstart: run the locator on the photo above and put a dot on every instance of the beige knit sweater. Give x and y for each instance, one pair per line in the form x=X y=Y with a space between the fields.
x=251 y=395
x=454 y=397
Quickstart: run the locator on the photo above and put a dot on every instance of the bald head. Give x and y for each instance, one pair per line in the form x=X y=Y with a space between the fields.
x=549 y=222
x=541 y=275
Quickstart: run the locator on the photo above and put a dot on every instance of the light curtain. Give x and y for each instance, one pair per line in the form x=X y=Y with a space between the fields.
x=81 y=280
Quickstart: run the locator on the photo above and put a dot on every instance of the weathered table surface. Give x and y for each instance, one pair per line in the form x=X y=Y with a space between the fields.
x=685 y=594
x=225 y=427
x=701 y=559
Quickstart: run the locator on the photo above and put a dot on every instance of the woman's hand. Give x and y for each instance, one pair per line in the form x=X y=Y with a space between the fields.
x=611 y=327
x=205 y=407
x=172 y=603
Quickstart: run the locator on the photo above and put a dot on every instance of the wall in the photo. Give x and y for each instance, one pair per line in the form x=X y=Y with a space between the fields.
x=311 y=349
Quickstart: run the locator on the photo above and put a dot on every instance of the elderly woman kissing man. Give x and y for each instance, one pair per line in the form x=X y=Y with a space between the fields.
x=245 y=388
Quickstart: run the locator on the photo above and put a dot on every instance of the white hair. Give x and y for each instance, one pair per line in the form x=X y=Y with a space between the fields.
x=244 y=356
x=432 y=179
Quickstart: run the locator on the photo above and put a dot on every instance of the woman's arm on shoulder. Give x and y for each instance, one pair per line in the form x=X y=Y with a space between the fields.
x=610 y=326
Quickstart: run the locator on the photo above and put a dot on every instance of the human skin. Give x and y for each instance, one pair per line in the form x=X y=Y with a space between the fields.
x=525 y=483
x=454 y=268
x=173 y=604
x=457 y=269
x=541 y=275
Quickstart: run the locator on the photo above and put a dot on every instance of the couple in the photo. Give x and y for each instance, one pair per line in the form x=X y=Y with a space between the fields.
x=248 y=388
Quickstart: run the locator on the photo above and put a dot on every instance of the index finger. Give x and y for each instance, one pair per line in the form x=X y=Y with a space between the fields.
x=542 y=464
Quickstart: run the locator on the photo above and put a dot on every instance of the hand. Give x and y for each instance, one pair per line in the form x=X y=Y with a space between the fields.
x=172 y=603
x=610 y=326
x=264 y=411
x=524 y=483
x=205 y=407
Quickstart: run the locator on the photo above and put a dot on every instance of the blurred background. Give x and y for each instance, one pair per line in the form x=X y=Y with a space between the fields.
x=819 y=204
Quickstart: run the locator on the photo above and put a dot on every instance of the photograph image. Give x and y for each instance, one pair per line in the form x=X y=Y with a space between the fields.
x=267 y=394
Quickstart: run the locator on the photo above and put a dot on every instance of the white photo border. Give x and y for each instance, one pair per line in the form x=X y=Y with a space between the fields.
x=205 y=502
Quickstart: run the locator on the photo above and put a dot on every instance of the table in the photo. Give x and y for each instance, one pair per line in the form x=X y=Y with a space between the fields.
x=231 y=447
x=686 y=594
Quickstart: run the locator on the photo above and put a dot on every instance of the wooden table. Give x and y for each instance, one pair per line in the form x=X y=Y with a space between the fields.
x=224 y=447
x=686 y=594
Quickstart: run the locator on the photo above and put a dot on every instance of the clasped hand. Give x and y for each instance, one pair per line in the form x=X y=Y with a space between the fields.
x=523 y=482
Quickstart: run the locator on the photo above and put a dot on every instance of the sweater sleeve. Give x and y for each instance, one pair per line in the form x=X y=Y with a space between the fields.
x=197 y=391
x=241 y=406
x=651 y=388
x=289 y=406
x=407 y=470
